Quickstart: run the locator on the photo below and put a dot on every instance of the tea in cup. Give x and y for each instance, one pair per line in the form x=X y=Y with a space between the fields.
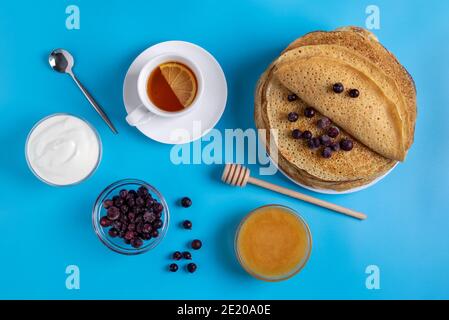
x=169 y=85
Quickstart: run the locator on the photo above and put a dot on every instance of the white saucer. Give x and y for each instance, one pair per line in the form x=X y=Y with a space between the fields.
x=196 y=123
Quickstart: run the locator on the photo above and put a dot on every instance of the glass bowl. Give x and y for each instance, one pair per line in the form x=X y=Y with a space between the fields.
x=100 y=150
x=301 y=263
x=117 y=244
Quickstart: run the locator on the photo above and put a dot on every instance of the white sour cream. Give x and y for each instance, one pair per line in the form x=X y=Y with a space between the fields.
x=63 y=150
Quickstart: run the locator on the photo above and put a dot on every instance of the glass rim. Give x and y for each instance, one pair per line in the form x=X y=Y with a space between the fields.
x=100 y=149
x=297 y=268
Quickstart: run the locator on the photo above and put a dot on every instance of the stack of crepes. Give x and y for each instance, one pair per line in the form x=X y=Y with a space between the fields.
x=381 y=121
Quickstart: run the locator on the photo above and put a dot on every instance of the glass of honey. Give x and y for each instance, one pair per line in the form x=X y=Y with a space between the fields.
x=273 y=243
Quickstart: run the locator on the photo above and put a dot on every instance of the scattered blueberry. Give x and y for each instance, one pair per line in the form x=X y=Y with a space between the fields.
x=323 y=123
x=354 y=93
x=314 y=143
x=296 y=134
x=187 y=224
x=187 y=255
x=309 y=112
x=307 y=135
x=177 y=255
x=292 y=97
x=333 y=132
x=327 y=152
x=293 y=117
x=338 y=87
x=191 y=267
x=335 y=146
x=346 y=144
x=196 y=244
x=325 y=140
x=173 y=267
x=186 y=202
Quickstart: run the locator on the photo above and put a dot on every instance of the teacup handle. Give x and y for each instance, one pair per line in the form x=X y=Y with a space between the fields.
x=139 y=116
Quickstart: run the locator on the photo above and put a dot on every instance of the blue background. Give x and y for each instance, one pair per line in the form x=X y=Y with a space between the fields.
x=44 y=229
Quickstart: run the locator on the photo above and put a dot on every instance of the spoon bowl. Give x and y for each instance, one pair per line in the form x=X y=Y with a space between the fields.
x=61 y=61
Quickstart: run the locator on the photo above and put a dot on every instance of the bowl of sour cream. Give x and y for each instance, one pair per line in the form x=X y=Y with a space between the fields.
x=63 y=150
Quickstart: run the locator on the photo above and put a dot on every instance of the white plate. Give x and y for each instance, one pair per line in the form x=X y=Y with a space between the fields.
x=196 y=123
x=326 y=191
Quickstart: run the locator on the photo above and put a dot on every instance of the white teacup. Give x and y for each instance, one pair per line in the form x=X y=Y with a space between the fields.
x=147 y=110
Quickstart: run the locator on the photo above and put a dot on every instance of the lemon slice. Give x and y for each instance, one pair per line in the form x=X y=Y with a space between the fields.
x=181 y=80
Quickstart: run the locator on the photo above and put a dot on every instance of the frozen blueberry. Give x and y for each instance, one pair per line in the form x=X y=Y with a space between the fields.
x=105 y=222
x=142 y=191
x=177 y=255
x=309 y=112
x=293 y=117
x=149 y=203
x=131 y=216
x=354 y=93
x=113 y=213
x=186 y=202
x=136 y=242
x=147 y=228
x=333 y=132
x=314 y=143
x=123 y=194
x=307 y=135
x=173 y=267
x=149 y=216
x=325 y=140
x=108 y=203
x=131 y=227
x=124 y=208
x=157 y=223
x=292 y=97
x=155 y=233
x=191 y=267
x=196 y=244
x=158 y=207
x=118 y=202
x=113 y=232
x=129 y=235
x=338 y=87
x=187 y=224
x=296 y=134
x=346 y=144
x=327 y=152
x=140 y=201
x=323 y=123
x=187 y=255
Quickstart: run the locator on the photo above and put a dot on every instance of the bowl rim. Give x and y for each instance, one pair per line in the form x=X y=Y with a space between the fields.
x=94 y=169
x=98 y=206
x=300 y=265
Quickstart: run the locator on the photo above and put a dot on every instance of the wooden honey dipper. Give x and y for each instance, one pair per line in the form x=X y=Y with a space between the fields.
x=238 y=175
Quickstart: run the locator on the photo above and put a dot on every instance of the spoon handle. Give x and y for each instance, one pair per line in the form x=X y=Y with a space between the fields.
x=94 y=104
